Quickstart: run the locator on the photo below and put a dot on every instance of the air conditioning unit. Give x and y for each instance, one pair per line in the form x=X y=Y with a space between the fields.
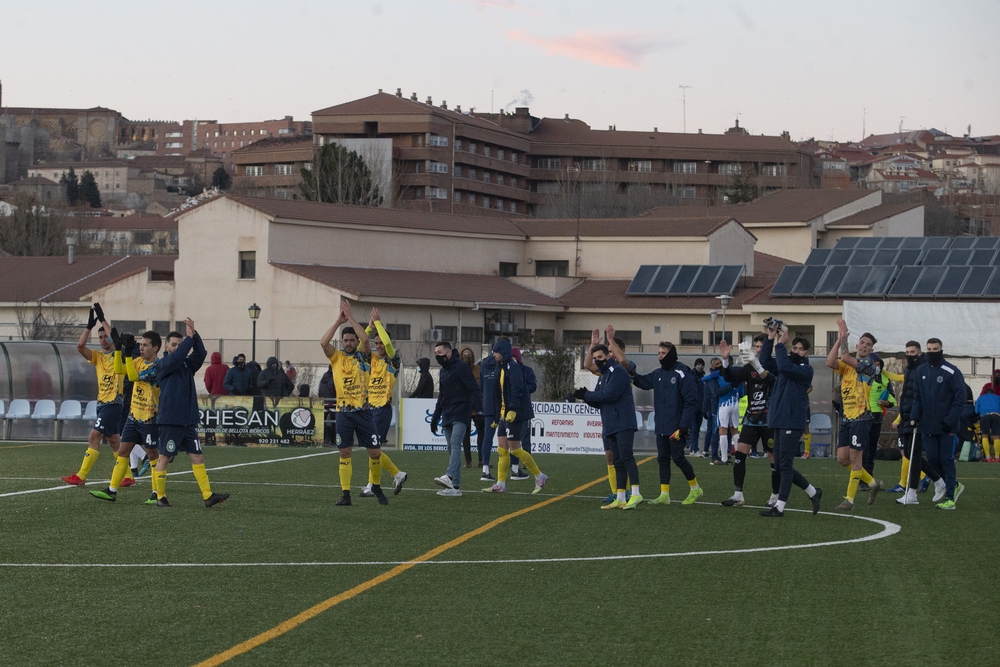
x=433 y=335
x=495 y=326
x=509 y=326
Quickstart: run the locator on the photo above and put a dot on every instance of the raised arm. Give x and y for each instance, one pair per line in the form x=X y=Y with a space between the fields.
x=99 y=313
x=588 y=359
x=81 y=345
x=840 y=352
x=364 y=344
x=329 y=349
x=390 y=351
x=616 y=352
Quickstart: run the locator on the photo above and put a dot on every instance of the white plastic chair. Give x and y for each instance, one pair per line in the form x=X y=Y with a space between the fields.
x=44 y=409
x=393 y=422
x=70 y=409
x=650 y=422
x=91 y=412
x=638 y=420
x=1 y=409
x=19 y=409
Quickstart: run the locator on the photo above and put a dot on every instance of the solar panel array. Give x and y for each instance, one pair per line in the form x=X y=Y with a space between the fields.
x=685 y=280
x=894 y=266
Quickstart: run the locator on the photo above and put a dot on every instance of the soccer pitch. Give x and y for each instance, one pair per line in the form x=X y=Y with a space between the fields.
x=280 y=576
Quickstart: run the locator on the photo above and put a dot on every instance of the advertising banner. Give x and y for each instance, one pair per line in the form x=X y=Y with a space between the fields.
x=258 y=420
x=562 y=428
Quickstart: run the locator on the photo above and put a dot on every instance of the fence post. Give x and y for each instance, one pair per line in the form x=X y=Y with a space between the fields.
x=222 y=348
x=277 y=349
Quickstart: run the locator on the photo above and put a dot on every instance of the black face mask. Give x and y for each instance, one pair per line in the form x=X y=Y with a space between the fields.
x=700 y=367
x=240 y=364
x=668 y=361
x=935 y=358
x=795 y=358
x=600 y=363
x=911 y=361
x=441 y=359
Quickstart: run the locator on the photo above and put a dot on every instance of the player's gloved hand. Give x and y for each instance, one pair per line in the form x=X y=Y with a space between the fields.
x=434 y=428
x=116 y=338
x=510 y=417
x=755 y=364
x=99 y=312
x=128 y=344
x=91 y=320
x=580 y=393
x=684 y=433
x=897 y=421
x=494 y=425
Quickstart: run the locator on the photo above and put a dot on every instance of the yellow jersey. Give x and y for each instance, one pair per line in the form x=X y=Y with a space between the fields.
x=145 y=392
x=382 y=379
x=110 y=385
x=350 y=377
x=855 y=389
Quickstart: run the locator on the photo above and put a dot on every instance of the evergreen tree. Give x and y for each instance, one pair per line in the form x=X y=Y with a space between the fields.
x=221 y=179
x=72 y=185
x=340 y=176
x=89 y=193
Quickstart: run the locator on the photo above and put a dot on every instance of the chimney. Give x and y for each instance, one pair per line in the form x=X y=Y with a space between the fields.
x=379 y=90
x=430 y=102
x=458 y=108
x=444 y=104
x=71 y=247
x=413 y=97
x=699 y=130
x=566 y=117
x=656 y=129
x=399 y=92
x=610 y=128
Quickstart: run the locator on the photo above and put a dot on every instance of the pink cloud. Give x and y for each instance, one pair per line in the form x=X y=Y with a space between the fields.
x=618 y=50
x=506 y=5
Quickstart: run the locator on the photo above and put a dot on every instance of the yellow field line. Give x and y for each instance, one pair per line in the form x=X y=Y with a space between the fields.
x=318 y=609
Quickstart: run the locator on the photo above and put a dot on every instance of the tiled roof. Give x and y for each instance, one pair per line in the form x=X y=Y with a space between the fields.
x=81 y=166
x=781 y=206
x=281 y=142
x=646 y=227
x=424 y=285
x=576 y=132
x=909 y=175
x=870 y=216
x=292 y=209
x=34 y=180
x=32 y=279
x=42 y=111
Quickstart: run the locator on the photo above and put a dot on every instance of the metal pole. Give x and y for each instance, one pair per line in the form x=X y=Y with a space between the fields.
x=253 y=344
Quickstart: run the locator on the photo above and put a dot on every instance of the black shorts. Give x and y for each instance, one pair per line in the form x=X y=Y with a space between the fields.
x=359 y=422
x=750 y=434
x=143 y=433
x=989 y=425
x=855 y=434
x=511 y=431
x=173 y=439
x=383 y=420
x=108 y=419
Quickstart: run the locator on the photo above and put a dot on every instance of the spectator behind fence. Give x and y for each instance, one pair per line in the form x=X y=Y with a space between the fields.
x=290 y=371
x=237 y=381
x=425 y=386
x=273 y=381
x=327 y=389
x=303 y=391
x=254 y=374
x=215 y=376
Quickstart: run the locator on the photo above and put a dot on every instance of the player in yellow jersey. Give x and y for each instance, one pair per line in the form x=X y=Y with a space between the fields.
x=384 y=370
x=140 y=427
x=855 y=427
x=350 y=376
x=110 y=386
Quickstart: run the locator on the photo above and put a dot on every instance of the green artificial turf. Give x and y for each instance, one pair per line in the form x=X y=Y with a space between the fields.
x=927 y=594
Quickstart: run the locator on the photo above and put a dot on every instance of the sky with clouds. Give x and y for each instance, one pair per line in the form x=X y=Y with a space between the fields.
x=815 y=69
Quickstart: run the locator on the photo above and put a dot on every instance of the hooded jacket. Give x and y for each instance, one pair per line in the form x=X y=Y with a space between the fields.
x=237 y=381
x=675 y=397
x=613 y=397
x=988 y=402
x=938 y=398
x=455 y=391
x=530 y=381
x=425 y=385
x=477 y=397
x=215 y=376
x=327 y=388
x=906 y=397
x=273 y=381
x=790 y=398
x=175 y=375
x=510 y=392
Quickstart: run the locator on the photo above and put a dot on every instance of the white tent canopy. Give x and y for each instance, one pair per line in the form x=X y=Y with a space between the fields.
x=966 y=329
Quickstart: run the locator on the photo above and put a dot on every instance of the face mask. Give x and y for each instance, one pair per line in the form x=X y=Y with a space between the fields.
x=240 y=364
x=441 y=359
x=935 y=358
x=795 y=358
x=911 y=362
x=600 y=363
x=699 y=367
x=669 y=359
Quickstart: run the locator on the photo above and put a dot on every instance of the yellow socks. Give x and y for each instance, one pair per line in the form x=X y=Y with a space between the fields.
x=388 y=466
x=128 y=469
x=866 y=477
x=503 y=468
x=202 y=476
x=375 y=470
x=346 y=470
x=903 y=469
x=526 y=460
x=121 y=465
x=160 y=483
x=89 y=459
x=857 y=476
x=664 y=488
x=693 y=483
x=807 y=442
x=612 y=479
x=996 y=447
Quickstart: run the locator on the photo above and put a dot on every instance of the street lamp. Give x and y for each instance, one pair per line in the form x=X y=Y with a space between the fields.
x=724 y=299
x=714 y=314
x=254 y=311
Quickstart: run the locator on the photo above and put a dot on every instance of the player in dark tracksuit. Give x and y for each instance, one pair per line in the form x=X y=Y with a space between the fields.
x=938 y=399
x=675 y=403
x=758 y=385
x=787 y=415
x=908 y=440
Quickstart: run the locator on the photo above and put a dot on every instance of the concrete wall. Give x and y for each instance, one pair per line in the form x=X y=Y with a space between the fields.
x=731 y=245
x=616 y=257
x=907 y=223
x=874 y=198
x=831 y=236
x=794 y=243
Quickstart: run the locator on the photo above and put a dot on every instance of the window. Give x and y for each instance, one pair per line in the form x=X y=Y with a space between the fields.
x=831 y=339
x=175 y=144
x=286 y=130
x=449 y=334
x=458 y=171
x=263 y=132
x=257 y=170
x=241 y=143
x=472 y=197
x=718 y=336
x=508 y=269
x=252 y=132
x=499 y=154
x=215 y=144
x=548 y=187
x=576 y=337
x=457 y=197
x=437 y=193
x=499 y=179
x=472 y=148
x=472 y=174
x=692 y=338
x=499 y=205
x=437 y=168
x=248 y=265
x=486 y=151
x=486 y=202
x=775 y=170
x=688 y=193
x=216 y=133
x=630 y=338
x=640 y=165
x=552 y=268
x=730 y=168
x=549 y=163
x=283 y=169
x=513 y=156
x=685 y=167
x=513 y=207
x=513 y=182
x=397 y=331
x=472 y=334
x=173 y=135
x=486 y=177
x=594 y=165
x=142 y=237
x=458 y=144
x=284 y=194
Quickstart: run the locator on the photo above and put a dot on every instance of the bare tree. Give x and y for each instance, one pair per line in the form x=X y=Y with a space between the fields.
x=40 y=321
x=31 y=230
